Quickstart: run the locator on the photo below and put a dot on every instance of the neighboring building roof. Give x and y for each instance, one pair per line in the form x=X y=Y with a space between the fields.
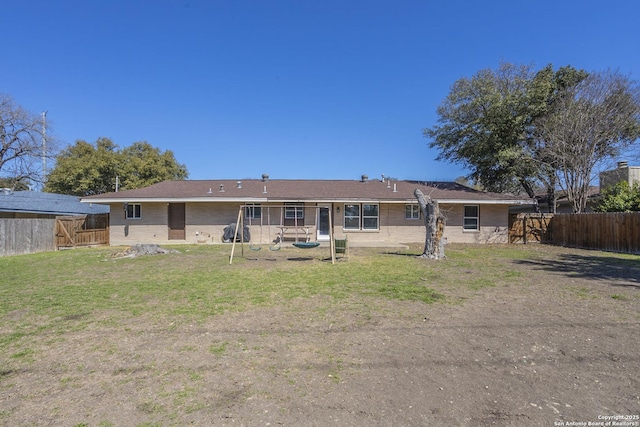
x=562 y=202
x=267 y=190
x=46 y=203
x=624 y=172
x=561 y=195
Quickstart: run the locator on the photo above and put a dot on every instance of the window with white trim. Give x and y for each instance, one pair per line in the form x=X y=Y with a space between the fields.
x=253 y=211
x=294 y=211
x=133 y=210
x=370 y=217
x=361 y=216
x=471 y=220
x=411 y=212
x=352 y=217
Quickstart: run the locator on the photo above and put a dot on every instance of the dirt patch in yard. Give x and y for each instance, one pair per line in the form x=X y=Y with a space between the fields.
x=560 y=346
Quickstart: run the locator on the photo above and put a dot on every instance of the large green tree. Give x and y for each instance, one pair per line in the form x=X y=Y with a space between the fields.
x=549 y=87
x=143 y=165
x=85 y=169
x=592 y=122
x=483 y=125
x=516 y=128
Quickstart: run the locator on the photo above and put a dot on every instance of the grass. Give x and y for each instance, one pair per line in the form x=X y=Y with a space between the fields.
x=197 y=282
x=55 y=292
x=70 y=286
x=218 y=349
x=45 y=296
x=39 y=290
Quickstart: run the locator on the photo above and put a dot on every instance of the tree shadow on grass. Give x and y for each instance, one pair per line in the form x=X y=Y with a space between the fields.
x=619 y=272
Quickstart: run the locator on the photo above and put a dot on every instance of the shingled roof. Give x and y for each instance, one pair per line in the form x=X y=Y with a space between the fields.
x=266 y=190
x=33 y=202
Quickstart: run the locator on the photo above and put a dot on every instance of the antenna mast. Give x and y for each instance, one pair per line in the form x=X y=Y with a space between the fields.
x=44 y=146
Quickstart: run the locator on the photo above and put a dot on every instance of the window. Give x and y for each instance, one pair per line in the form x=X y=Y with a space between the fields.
x=471 y=218
x=253 y=211
x=133 y=210
x=411 y=212
x=370 y=217
x=361 y=217
x=294 y=211
x=352 y=217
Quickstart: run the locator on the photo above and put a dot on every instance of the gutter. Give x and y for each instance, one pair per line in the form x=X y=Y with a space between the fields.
x=268 y=200
x=171 y=200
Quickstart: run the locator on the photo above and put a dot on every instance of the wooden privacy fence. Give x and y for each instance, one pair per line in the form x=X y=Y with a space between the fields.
x=20 y=236
x=618 y=232
x=83 y=230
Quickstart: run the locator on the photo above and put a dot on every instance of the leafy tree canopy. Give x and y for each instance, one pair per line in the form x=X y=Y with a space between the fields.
x=482 y=125
x=85 y=169
x=515 y=128
x=143 y=165
x=621 y=197
x=486 y=124
x=595 y=120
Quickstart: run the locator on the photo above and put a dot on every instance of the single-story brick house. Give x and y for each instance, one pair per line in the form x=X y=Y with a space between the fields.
x=365 y=211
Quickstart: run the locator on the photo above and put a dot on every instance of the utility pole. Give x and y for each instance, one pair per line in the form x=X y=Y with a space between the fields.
x=44 y=147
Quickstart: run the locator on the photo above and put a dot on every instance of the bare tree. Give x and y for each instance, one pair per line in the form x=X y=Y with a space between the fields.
x=21 y=143
x=593 y=122
x=435 y=222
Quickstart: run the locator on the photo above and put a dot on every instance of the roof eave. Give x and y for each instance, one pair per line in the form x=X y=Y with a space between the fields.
x=488 y=202
x=297 y=200
x=171 y=199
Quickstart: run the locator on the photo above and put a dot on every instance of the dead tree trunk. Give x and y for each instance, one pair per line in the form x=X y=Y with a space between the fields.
x=435 y=222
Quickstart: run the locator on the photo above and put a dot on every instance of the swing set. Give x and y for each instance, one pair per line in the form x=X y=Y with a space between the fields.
x=276 y=244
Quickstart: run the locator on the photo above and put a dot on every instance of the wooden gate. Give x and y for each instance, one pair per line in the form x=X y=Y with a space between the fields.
x=82 y=230
x=529 y=228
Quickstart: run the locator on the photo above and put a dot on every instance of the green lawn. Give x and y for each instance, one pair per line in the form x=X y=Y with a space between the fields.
x=83 y=324
x=52 y=292
x=90 y=285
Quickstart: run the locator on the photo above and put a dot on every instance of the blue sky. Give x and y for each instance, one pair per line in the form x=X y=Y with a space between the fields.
x=296 y=89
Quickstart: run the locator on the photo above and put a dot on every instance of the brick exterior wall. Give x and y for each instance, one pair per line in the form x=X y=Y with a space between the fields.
x=205 y=223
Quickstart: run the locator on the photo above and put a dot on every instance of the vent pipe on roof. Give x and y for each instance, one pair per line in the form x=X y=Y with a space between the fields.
x=209 y=192
x=265 y=177
x=395 y=189
x=264 y=190
x=221 y=188
x=239 y=184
